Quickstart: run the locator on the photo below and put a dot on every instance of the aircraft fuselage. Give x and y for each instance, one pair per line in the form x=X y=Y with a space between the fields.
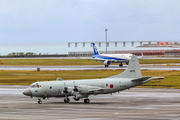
x=55 y=88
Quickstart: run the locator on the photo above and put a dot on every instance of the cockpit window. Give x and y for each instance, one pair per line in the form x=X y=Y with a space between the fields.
x=35 y=85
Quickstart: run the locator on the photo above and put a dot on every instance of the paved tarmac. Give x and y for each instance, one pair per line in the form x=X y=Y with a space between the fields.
x=88 y=67
x=133 y=104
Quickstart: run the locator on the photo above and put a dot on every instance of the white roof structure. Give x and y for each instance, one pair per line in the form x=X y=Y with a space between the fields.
x=64 y=48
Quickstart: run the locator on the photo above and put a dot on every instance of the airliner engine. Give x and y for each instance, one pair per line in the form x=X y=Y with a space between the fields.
x=106 y=62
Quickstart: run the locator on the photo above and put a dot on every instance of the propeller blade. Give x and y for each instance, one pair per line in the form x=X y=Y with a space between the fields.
x=75 y=87
x=65 y=88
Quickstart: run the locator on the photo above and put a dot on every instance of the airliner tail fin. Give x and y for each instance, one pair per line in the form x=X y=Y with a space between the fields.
x=95 y=49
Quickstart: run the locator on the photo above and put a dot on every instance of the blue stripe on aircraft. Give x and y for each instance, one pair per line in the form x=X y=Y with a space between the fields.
x=107 y=58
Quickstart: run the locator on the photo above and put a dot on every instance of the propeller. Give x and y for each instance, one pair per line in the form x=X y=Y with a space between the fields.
x=65 y=91
x=75 y=87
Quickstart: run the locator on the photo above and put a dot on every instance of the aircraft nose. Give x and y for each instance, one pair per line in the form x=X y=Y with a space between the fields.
x=27 y=92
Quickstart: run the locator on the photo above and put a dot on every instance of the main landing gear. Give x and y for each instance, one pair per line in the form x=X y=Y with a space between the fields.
x=106 y=65
x=121 y=65
x=66 y=100
x=39 y=101
x=86 y=101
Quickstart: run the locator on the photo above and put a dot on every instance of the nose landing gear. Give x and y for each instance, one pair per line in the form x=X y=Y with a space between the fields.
x=39 y=101
x=66 y=100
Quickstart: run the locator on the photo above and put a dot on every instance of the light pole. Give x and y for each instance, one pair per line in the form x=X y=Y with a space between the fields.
x=106 y=39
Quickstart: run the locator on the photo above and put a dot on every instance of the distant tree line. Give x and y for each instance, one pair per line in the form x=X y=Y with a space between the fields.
x=20 y=54
x=31 y=54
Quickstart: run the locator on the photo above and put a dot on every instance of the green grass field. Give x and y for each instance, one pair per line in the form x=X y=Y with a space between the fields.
x=61 y=62
x=172 y=78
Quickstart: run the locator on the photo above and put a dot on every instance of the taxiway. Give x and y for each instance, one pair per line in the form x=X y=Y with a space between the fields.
x=88 y=67
x=133 y=104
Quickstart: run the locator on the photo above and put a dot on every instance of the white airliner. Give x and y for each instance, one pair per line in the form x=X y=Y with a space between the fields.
x=107 y=59
x=131 y=77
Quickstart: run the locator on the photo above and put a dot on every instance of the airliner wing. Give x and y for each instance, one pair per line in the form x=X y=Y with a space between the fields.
x=99 y=59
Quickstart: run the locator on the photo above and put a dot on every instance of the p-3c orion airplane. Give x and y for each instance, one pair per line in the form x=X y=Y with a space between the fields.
x=107 y=59
x=131 y=77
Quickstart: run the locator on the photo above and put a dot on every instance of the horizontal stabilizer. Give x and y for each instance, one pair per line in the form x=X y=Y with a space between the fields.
x=147 y=78
x=141 y=79
x=155 y=78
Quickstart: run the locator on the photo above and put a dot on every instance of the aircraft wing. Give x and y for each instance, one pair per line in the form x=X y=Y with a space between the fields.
x=102 y=60
x=98 y=89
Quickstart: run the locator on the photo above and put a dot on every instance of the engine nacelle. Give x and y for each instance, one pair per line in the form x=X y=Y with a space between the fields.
x=70 y=89
x=106 y=62
x=79 y=95
x=83 y=89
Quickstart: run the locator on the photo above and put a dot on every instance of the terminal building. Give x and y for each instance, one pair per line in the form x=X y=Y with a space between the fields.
x=85 y=49
x=117 y=47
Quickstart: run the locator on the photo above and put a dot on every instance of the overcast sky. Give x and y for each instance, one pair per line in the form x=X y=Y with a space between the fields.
x=48 y=21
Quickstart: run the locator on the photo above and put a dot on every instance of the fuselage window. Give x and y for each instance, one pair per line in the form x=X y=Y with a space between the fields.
x=106 y=84
x=50 y=87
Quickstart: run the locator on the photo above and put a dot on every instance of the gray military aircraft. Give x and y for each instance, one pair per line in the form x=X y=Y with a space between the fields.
x=131 y=77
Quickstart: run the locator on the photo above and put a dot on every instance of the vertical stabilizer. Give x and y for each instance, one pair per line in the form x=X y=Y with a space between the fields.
x=95 y=49
x=133 y=70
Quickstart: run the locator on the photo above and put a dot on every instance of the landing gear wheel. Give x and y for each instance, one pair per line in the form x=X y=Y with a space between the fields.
x=66 y=100
x=121 y=65
x=86 y=101
x=39 y=101
x=106 y=65
x=76 y=99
